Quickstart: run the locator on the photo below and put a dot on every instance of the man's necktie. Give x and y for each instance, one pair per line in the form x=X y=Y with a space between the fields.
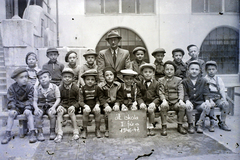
x=114 y=57
x=147 y=82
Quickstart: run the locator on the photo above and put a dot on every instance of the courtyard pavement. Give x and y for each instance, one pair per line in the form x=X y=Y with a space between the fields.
x=210 y=145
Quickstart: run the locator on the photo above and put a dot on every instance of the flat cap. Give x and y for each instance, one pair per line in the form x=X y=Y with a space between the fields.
x=194 y=62
x=67 y=70
x=28 y=54
x=18 y=71
x=128 y=72
x=90 y=52
x=147 y=65
x=158 y=50
x=210 y=63
x=178 y=50
x=41 y=72
x=91 y=72
x=171 y=63
x=113 y=34
x=52 y=50
x=191 y=45
x=68 y=53
x=139 y=48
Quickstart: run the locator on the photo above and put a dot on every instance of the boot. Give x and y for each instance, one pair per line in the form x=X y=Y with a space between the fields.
x=191 y=129
x=164 y=130
x=97 y=129
x=33 y=137
x=211 y=128
x=181 y=129
x=7 y=137
x=52 y=134
x=84 y=133
x=107 y=133
x=98 y=133
x=40 y=136
x=199 y=129
x=224 y=127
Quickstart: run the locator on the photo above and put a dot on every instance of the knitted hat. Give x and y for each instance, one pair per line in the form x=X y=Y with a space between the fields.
x=68 y=53
x=171 y=63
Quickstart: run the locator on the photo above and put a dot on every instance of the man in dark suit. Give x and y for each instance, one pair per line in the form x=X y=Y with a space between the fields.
x=114 y=56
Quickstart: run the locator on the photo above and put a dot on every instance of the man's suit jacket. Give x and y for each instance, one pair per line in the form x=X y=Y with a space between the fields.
x=105 y=59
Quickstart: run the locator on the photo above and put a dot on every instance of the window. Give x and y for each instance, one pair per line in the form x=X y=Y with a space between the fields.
x=215 y=6
x=129 y=41
x=119 y=6
x=222 y=45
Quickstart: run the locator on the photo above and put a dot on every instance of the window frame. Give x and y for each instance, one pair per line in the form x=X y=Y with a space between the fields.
x=120 y=9
x=207 y=9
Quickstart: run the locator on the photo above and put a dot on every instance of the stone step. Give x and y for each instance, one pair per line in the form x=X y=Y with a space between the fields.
x=2 y=68
x=3 y=88
x=3 y=73
x=3 y=80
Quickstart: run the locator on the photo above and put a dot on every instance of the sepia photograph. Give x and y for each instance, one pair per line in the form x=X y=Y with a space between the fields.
x=119 y=79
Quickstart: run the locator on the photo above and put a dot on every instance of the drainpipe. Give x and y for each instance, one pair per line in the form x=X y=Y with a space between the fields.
x=57 y=21
x=16 y=10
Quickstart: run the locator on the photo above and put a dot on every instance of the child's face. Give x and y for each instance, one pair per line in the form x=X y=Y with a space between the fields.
x=194 y=70
x=67 y=78
x=22 y=79
x=31 y=61
x=72 y=59
x=169 y=70
x=148 y=73
x=53 y=56
x=211 y=70
x=193 y=52
x=90 y=80
x=128 y=80
x=44 y=79
x=90 y=59
x=139 y=55
x=177 y=56
x=109 y=76
x=159 y=57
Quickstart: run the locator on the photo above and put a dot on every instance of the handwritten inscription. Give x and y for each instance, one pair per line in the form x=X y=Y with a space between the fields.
x=127 y=124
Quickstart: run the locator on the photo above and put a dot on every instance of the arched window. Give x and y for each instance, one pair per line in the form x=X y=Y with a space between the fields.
x=222 y=45
x=129 y=41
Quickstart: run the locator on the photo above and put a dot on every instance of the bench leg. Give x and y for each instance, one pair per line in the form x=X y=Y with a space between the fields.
x=230 y=94
x=23 y=128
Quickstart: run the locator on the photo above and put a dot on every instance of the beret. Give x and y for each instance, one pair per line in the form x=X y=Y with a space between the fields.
x=113 y=34
x=171 y=63
x=18 y=71
x=67 y=70
x=178 y=50
x=147 y=65
x=91 y=72
x=191 y=45
x=90 y=52
x=67 y=55
x=210 y=63
x=194 y=62
x=158 y=50
x=128 y=72
x=41 y=72
x=28 y=54
x=52 y=50
x=109 y=69
x=139 y=48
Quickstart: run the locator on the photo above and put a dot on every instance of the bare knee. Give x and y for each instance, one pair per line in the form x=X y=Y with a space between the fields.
x=27 y=112
x=12 y=113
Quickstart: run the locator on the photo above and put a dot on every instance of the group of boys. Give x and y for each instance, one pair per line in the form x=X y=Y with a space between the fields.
x=71 y=89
